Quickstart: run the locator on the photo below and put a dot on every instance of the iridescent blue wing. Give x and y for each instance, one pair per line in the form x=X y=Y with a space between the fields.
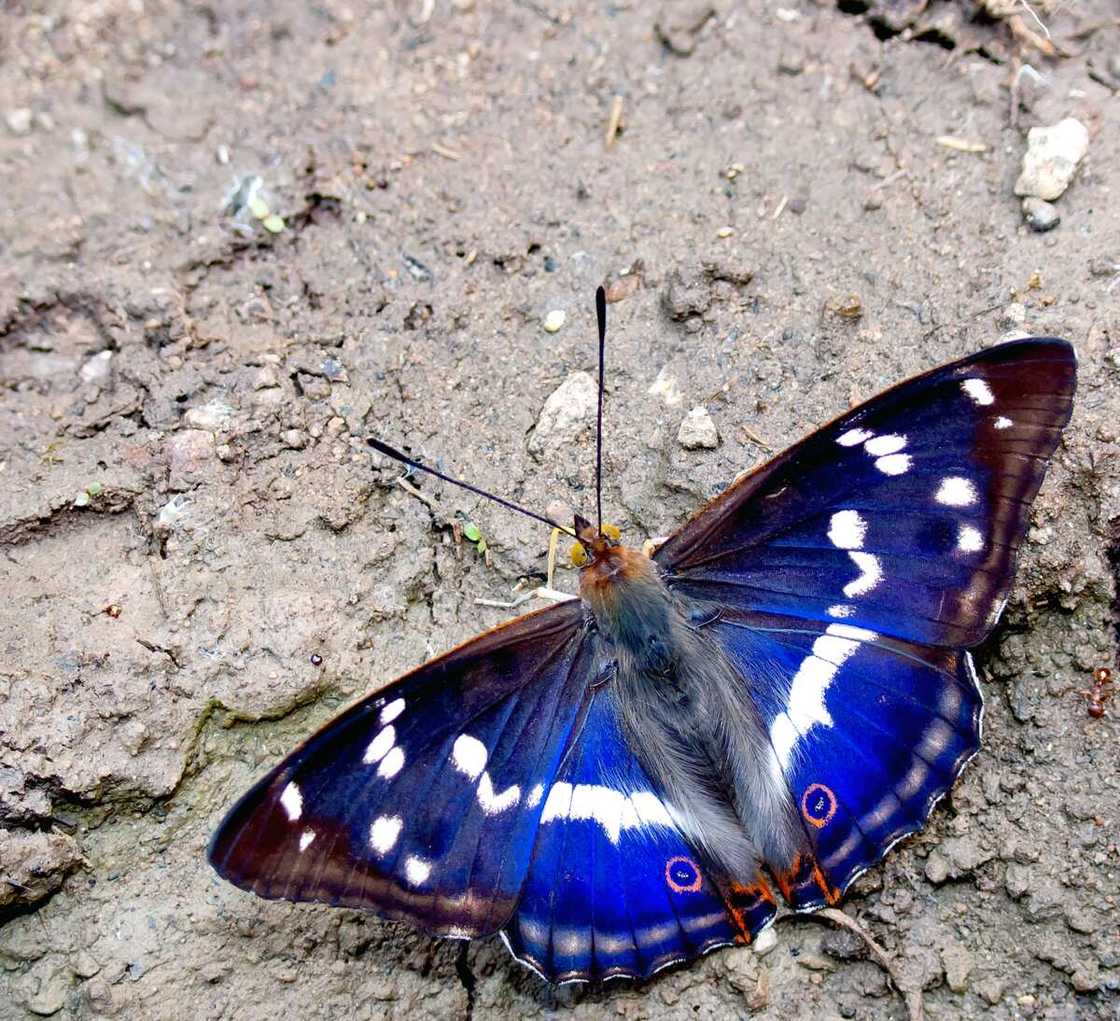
x=845 y=579
x=613 y=888
x=421 y=802
x=869 y=732
x=902 y=516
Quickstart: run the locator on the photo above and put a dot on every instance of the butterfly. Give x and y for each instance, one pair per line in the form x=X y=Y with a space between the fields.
x=761 y=707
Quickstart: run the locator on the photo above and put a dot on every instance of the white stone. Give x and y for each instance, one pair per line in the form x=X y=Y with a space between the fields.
x=213 y=416
x=1051 y=158
x=96 y=368
x=764 y=942
x=18 y=120
x=569 y=410
x=698 y=431
x=555 y=320
x=665 y=387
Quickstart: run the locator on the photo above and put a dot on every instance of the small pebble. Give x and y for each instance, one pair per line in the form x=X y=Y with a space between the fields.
x=1040 y=215
x=698 y=431
x=569 y=410
x=665 y=387
x=764 y=942
x=96 y=368
x=725 y=232
x=1014 y=315
x=554 y=320
x=1051 y=159
x=18 y=120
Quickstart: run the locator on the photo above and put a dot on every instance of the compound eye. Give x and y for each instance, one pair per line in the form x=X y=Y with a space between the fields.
x=578 y=555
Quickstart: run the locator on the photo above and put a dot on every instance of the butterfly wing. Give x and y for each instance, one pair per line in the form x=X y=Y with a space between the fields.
x=868 y=731
x=421 y=802
x=613 y=889
x=902 y=516
x=845 y=579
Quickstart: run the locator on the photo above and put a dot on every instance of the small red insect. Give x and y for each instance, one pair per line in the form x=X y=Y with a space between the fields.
x=1102 y=690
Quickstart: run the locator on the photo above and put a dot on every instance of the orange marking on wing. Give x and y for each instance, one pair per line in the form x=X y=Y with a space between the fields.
x=739 y=898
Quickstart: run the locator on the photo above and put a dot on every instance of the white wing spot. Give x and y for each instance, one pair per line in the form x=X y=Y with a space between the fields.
x=1003 y=422
x=894 y=464
x=469 y=755
x=956 y=492
x=292 y=800
x=535 y=796
x=892 y=443
x=806 y=707
x=391 y=764
x=613 y=810
x=383 y=833
x=846 y=529
x=380 y=745
x=853 y=436
x=969 y=539
x=392 y=711
x=305 y=840
x=492 y=803
x=417 y=870
x=841 y=610
x=871 y=573
x=979 y=391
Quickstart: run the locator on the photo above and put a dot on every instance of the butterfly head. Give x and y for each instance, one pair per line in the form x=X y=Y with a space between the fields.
x=593 y=544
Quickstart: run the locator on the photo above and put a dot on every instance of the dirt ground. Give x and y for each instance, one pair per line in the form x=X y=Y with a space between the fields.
x=202 y=559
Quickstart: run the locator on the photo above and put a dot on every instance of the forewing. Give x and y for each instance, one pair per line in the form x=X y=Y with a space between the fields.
x=903 y=515
x=613 y=888
x=868 y=733
x=417 y=802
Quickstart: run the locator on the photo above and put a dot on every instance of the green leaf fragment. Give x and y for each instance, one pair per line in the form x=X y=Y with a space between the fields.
x=482 y=547
x=471 y=531
x=95 y=489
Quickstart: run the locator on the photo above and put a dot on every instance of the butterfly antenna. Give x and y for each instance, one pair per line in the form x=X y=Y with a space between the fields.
x=396 y=455
x=601 y=314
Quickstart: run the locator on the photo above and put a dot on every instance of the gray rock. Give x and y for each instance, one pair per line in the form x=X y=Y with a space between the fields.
x=687 y=295
x=1051 y=159
x=958 y=964
x=698 y=431
x=569 y=410
x=965 y=855
x=187 y=453
x=937 y=868
x=1040 y=215
x=51 y=996
x=1017 y=880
